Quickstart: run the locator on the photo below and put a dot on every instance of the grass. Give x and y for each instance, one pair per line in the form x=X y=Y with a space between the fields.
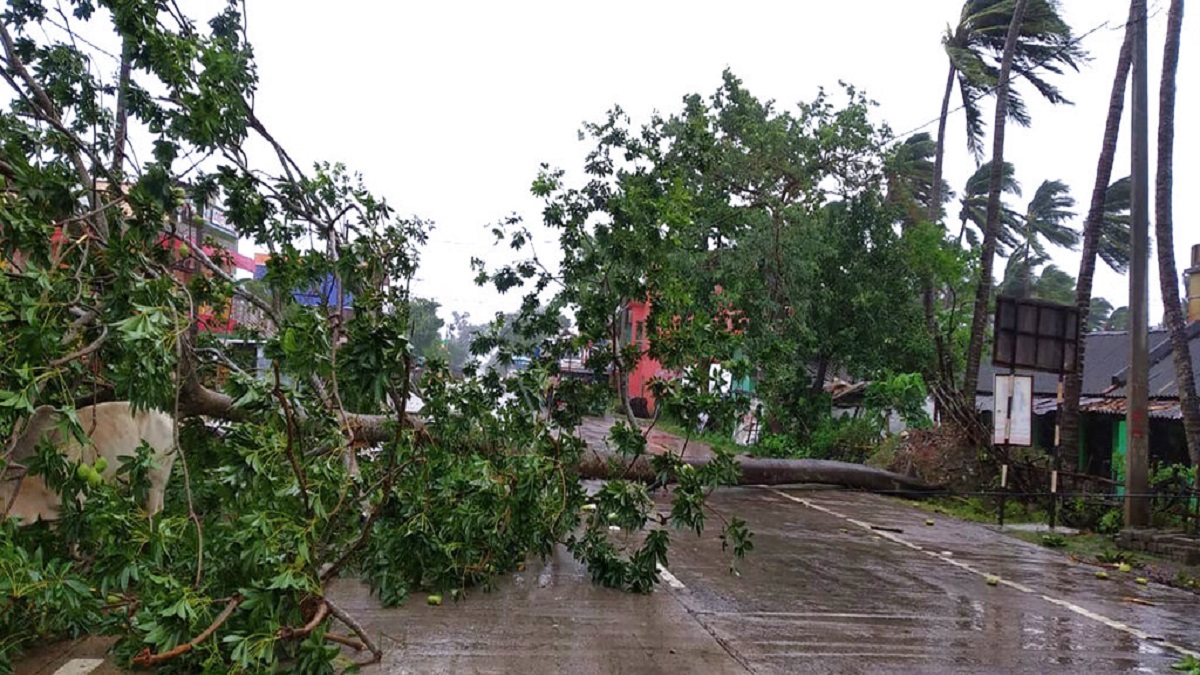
x=1090 y=547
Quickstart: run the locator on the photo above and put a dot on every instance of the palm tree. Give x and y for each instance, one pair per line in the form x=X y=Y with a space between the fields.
x=983 y=291
x=1099 y=314
x=908 y=172
x=973 y=202
x=1093 y=227
x=1185 y=379
x=1045 y=219
x=1113 y=245
x=975 y=45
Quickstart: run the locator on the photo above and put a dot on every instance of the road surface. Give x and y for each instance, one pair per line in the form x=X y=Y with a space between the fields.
x=823 y=592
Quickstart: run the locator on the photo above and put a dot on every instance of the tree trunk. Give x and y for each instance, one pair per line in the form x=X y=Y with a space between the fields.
x=1185 y=379
x=941 y=373
x=935 y=196
x=1091 y=235
x=984 y=293
x=599 y=464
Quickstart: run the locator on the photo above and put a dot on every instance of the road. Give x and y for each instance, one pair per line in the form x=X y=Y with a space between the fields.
x=823 y=592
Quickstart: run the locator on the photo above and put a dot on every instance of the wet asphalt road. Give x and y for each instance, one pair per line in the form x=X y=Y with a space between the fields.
x=821 y=593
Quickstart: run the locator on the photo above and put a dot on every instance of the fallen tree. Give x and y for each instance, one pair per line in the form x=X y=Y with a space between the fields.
x=599 y=464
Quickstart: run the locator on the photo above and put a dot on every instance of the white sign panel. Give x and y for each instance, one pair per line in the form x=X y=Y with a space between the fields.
x=1013 y=419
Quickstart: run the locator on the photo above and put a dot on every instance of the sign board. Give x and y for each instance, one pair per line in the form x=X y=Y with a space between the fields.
x=1013 y=408
x=1035 y=335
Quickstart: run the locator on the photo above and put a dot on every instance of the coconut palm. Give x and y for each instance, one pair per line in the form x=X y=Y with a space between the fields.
x=1099 y=211
x=908 y=171
x=1185 y=379
x=974 y=48
x=987 y=249
x=1113 y=244
x=973 y=202
x=1045 y=219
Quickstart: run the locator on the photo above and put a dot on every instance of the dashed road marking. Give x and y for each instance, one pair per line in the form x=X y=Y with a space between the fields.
x=1065 y=604
x=79 y=666
x=671 y=579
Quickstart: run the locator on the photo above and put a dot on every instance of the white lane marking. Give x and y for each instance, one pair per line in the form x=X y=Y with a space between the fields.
x=79 y=666
x=671 y=579
x=1081 y=611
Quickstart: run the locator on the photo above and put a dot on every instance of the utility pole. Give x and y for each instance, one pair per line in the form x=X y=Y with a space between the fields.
x=1137 y=419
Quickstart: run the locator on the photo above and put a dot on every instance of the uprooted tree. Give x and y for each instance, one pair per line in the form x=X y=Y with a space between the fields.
x=111 y=150
x=127 y=122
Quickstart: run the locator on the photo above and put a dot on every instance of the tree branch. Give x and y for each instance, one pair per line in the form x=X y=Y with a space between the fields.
x=289 y=633
x=93 y=346
x=49 y=113
x=353 y=625
x=148 y=659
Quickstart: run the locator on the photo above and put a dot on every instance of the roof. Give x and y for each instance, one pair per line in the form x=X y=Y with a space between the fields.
x=1105 y=370
x=1106 y=354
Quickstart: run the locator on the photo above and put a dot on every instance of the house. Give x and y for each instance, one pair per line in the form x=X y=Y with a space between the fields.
x=1102 y=403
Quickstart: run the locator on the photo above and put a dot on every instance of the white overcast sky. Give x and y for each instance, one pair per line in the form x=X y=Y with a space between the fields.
x=447 y=108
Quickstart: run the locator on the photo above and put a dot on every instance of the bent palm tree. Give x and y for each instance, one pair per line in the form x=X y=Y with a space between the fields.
x=1045 y=219
x=1093 y=227
x=983 y=292
x=973 y=203
x=975 y=46
x=1113 y=245
x=908 y=172
x=1185 y=379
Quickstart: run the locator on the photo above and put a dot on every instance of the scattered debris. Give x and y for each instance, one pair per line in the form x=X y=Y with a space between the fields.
x=1139 y=601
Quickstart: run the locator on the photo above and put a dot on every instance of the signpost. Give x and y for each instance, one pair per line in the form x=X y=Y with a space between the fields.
x=1030 y=335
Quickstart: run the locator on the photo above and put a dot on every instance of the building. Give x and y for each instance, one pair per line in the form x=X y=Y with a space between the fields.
x=1102 y=435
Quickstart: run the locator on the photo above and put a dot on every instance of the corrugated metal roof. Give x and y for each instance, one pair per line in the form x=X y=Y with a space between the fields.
x=1106 y=355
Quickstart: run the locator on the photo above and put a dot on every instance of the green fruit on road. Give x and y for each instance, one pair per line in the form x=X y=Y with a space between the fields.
x=434 y=599
x=1141 y=581
x=993 y=581
x=929 y=521
x=1101 y=574
x=1124 y=567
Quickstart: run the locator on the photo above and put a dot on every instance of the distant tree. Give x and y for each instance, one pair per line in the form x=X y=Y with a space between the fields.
x=1099 y=314
x=425 y=336
x=1118 y=320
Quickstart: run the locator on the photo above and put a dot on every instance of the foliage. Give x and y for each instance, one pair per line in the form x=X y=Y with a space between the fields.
x=289 y=477
x=903 y=394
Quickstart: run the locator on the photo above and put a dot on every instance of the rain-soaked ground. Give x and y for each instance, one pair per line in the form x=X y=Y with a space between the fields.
x=822 y=592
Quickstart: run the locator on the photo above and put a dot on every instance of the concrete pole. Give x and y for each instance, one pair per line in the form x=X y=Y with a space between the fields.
x=1137 y=506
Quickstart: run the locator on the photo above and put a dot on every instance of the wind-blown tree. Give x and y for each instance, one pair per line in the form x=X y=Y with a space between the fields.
x=1045 y=219
x=991 y=229
x=1094 y=226
x=975 y=46
x=972 y=212
x=104 y=160
x=1099 y=314
x=1185 y=379
x=758 y=236
x=908 y=173
x=1114 y=240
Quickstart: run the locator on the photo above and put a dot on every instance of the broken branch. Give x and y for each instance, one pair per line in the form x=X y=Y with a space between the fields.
x=148 y=659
